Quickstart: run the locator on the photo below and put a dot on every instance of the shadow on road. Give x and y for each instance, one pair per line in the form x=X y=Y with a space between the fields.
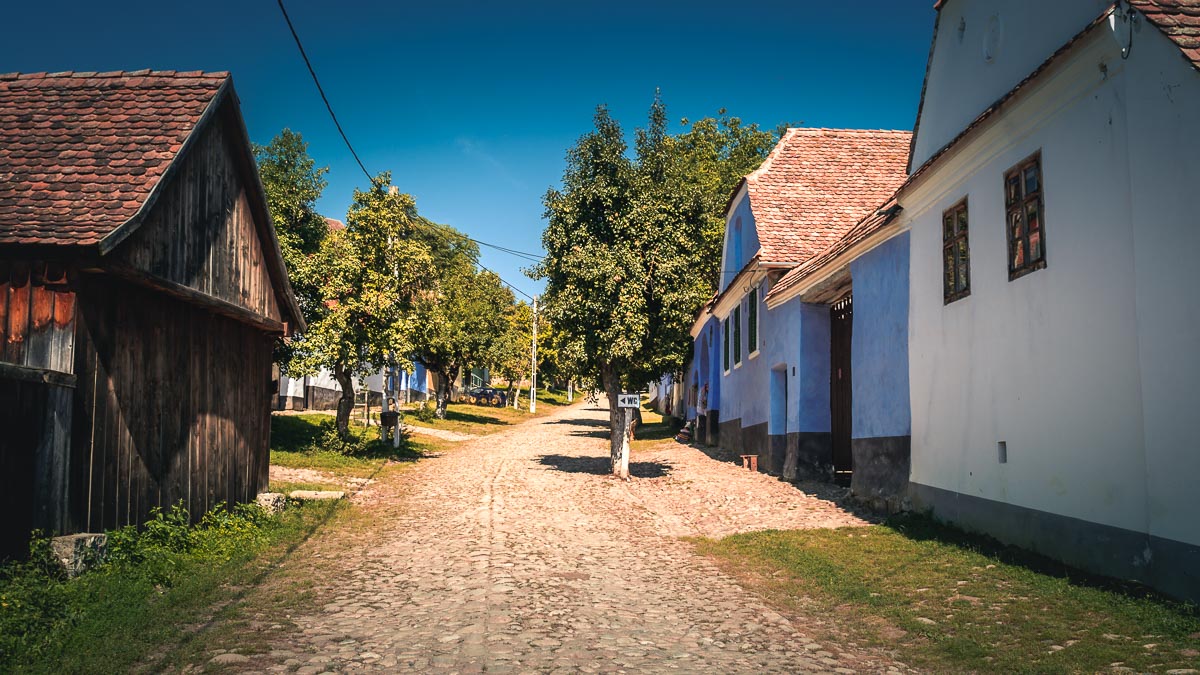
x=581 y=421
x=599 y=466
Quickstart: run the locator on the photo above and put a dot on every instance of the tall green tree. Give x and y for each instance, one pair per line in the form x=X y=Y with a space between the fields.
x=628 y=247
x=369 y=276
x=456 y=323
x=293 y=183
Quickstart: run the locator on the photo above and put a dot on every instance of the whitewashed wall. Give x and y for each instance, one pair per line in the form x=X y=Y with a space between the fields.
x=1088 y=369
x=1017 y=34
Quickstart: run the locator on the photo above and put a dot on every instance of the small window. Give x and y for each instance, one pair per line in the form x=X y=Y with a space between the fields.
x=737 y=335
x=752 y=322
x=956 y=254
x=1025 y=212
x=725 y=337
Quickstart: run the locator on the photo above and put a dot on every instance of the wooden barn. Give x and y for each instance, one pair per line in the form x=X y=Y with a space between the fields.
x=141 y=290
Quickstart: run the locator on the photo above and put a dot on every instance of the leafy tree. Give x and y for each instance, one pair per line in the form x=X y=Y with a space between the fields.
x=509 y=355
x=629 y=247
x=457 y=322
x=369 y=276
x=293 y=183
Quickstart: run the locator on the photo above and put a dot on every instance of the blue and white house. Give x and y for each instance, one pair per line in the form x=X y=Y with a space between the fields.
x=765 y=372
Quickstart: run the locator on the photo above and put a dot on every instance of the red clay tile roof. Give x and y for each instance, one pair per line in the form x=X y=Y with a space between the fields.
x=334 y=224
x=817 y=183
x=875 y=220
x=80 y=152
x=1179 y=20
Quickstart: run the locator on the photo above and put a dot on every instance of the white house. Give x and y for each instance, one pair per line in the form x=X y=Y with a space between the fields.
x=762 y=370
x=1054 y=327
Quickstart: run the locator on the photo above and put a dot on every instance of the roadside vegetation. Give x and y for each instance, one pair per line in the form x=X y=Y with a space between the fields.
x=653 y=430
x=161 y=584
x=944 y=600
x=481 y=420
x=311 y=441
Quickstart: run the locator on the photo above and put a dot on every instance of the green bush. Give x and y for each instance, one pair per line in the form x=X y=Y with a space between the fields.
x=39 y=605
x=425 y=412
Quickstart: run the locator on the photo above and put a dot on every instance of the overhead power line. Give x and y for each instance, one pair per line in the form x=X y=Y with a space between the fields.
x=321 y=90
x=299 y=45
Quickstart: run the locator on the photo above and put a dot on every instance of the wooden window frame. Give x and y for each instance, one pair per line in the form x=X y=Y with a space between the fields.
x=1017 y=210
x=737 y=336
x=752 y=323
x=725 y=341
x=956 y=252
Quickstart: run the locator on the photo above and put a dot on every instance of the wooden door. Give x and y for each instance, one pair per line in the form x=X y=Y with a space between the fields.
x=841 y=326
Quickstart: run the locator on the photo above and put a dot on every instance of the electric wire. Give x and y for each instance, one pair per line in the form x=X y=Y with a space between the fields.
x=321 y=90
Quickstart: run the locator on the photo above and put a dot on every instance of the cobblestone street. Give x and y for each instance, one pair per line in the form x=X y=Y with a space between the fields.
x=516 y=553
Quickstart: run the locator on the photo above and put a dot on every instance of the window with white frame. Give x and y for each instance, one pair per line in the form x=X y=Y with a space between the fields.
x=737 y=335
x=752 y=322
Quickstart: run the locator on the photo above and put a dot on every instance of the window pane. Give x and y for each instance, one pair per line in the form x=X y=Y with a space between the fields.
x=947 y=226
x=737 y=334
x=1035 y=246
x=1033 y=181
x=1031 y=215
x=964 y=270
x=752 y=324
x=1016 y=226
x=948 y=270
x=725 y=334
x=1018 y=253
x=962 y=220
x=1013 y=189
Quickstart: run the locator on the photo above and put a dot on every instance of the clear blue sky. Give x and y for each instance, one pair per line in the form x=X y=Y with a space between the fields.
x=472 y=105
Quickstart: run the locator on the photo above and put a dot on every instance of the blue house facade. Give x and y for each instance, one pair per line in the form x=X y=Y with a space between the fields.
x=764 y=365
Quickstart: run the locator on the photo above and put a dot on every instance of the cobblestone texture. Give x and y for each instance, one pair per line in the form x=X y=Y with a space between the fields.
x=516 y=553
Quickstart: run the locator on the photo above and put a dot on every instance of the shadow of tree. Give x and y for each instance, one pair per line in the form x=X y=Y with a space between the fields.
x=599 y=466
x=581 y=421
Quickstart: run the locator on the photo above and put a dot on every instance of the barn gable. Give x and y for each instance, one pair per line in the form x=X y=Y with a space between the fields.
x=202 y=233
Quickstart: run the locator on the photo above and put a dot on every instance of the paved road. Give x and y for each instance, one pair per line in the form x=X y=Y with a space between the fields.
x=515 y=553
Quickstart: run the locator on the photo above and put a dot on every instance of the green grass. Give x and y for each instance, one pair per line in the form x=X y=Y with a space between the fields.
x=949 y=601
x=653 y=430
x=123 y=615
x=305 y=442
x=478 y=420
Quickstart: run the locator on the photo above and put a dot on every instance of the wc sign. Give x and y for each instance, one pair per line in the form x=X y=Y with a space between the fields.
x=628 y=400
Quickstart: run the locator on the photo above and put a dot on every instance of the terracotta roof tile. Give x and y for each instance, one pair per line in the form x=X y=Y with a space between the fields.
x=1179 y=20
x=79 y=152
x=817 y=183
x=875 y=220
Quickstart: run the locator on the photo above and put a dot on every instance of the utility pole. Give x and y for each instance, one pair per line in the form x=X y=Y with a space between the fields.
x=533 y=371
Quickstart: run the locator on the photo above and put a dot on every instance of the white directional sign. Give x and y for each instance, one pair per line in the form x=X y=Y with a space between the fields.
x=628 y=400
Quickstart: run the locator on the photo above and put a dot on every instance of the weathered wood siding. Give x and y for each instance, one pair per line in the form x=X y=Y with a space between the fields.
x=172 y=403
x=201 y=233
x=37 y=316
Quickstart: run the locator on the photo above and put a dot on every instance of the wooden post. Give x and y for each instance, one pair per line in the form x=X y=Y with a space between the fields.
x=533 y=373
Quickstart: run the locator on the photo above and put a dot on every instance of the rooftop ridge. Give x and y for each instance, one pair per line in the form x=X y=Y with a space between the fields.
x=91 y=74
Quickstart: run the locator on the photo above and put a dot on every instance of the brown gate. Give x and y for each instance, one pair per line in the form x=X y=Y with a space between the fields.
x=841 y=325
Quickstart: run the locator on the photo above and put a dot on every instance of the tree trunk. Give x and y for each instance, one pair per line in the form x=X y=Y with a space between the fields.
x=445 y=379
x=346 y=402
x=618 y=425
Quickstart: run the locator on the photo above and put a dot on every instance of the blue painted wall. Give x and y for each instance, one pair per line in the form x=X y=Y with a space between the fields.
x=879 y=350
x=738 y=248
x=793 y=337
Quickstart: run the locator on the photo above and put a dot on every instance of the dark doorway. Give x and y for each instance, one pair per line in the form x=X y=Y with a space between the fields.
x=841 y=328
x=22 y=411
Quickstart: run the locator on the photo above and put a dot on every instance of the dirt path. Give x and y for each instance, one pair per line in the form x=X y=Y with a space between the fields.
x=515 y=553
